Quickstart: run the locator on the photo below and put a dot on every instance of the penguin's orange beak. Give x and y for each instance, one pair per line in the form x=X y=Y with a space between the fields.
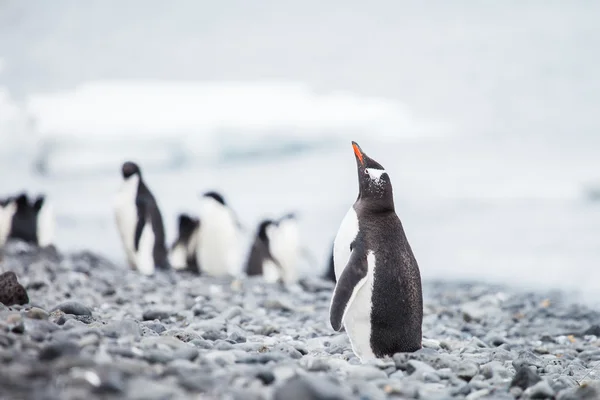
x=358 y=152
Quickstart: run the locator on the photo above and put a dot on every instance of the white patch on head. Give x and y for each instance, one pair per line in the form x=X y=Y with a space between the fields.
x=6 y=215
x=283 y=245
x=218 y=251
x=341 y=246
x=145 y=253
x=375 y=174
x=126 y=215
x=45 y=225
x=357 y=316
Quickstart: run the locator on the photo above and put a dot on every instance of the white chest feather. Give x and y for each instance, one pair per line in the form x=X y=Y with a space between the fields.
x=126 y=215
x=345 y=236
x=218 y=245
x=45 y=225
x=6 y=215
x=178 y=256
x=145 y=253
x=271 y=272
x=357 y=318
x=283 y=245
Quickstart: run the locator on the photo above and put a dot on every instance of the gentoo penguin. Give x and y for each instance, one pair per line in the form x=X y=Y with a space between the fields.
x=284 y=247
x=183 y=251
x=218 y=251
x=140 y=223
x=261 y=260
x=377 y=297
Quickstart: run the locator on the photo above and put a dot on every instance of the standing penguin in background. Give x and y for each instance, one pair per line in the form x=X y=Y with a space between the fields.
x=183 y=251
x=285 y=248
x=261 y=260
x=218 y=252
x=140 y=223
x=377 y=296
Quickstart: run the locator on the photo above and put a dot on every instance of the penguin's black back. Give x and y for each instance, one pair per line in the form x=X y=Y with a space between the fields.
x=259 y=251
x=149 y=211
x=397 y=300
x=187 y=225
x=24 y=221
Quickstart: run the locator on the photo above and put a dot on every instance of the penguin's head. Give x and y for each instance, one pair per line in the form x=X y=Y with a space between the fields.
x=264 y=229
x=373 y=181
x=129 y=169
x=215 y=196
x=187 y=224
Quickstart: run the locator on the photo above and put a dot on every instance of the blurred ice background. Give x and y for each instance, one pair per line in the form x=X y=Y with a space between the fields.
x=485 y=115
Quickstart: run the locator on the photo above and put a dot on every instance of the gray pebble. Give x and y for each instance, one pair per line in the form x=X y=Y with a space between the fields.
x=150 y=315
x=73 y=308
x=541 y=390
x=467 y=370
x=310 y=387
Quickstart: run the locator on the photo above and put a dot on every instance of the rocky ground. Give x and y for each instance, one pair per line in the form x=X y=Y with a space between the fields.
x=93 y=330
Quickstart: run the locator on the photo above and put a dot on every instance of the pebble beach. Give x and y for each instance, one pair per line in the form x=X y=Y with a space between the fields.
x=96 y=330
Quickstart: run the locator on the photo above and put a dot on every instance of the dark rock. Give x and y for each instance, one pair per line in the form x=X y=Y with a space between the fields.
x=11 y=291
x=58 y=349
x=311 y=387
x=151 y=315
x=266 y=377
x=524 y=378
x=73 y=308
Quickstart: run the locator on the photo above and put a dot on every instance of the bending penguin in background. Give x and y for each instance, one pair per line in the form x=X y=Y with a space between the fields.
x=140 y=223
x=261 y=260
x=377 y=297
x=218 y=251
x=183 y=251
x=275 y=251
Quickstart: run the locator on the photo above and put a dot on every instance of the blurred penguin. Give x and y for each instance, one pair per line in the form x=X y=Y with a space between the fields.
x=30 y=222
x=218 y=250
x=183 y=251
x=140 y=222
x=261 y=260
x=275 y=251
x=284 y=245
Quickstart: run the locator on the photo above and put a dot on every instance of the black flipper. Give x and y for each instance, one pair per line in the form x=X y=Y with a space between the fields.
x=142 y=215
x=352 y=279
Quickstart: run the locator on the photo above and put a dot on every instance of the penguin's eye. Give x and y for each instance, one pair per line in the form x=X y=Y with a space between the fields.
x=366 y=172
